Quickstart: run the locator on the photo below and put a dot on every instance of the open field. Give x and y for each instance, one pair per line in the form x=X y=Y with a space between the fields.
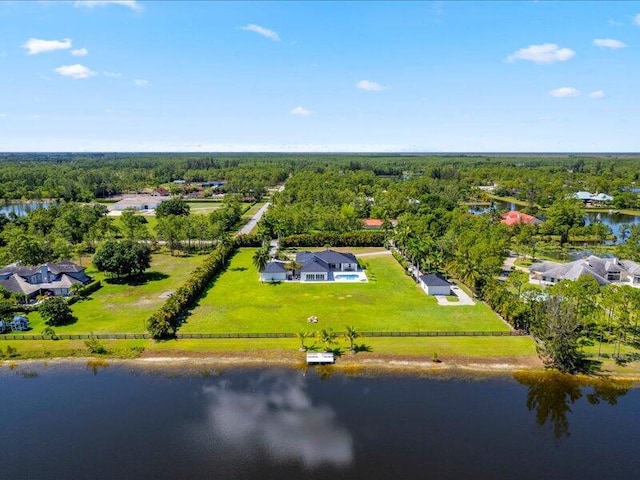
x=125 y=307
x=390 y=301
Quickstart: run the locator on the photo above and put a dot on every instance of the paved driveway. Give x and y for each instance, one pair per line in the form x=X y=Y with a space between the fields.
x=463 y=298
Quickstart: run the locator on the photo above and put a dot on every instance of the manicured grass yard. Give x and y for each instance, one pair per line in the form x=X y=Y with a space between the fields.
x=123 y=308
x=390 y=301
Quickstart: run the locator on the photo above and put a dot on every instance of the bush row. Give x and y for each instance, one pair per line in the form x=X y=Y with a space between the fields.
x=85 y=291
x=360 y=238
x=248 y=241
x=167 y=320
x=403 y=263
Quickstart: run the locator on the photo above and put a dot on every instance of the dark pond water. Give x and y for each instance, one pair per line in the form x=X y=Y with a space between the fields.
x=22 y=209
x=274 y=424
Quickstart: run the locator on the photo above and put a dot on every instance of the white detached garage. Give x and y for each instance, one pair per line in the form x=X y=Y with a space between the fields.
x=274 y=271
x=434 y=284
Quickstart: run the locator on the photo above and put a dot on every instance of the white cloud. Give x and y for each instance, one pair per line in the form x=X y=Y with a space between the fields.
x=80 y=52
x=265 y=32
x=608 y=43
x=300 y=112
x=274 y=418
x=3 y=115
x=112 y=74
x=597 y=94
x=369 y=86
x=545 y=53
x=33 y=46
x=636 y=19
x=76 y=71
x=132 y=4
x=139 y=82
x=564 y=92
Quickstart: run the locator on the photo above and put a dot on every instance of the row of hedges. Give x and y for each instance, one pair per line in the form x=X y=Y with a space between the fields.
x=359 y=238
x=85 y=291
x=401 y=260
x=250 y=240
x=166 y=321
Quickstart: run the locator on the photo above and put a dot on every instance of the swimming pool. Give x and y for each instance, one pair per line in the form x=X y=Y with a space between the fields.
x=349 y=277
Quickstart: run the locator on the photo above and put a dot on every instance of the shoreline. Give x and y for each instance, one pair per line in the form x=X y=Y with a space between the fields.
x=471 y=369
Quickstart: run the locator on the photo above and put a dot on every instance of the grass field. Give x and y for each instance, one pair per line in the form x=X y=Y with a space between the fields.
x=390 y=301
x=472 y=347
x=123 y=308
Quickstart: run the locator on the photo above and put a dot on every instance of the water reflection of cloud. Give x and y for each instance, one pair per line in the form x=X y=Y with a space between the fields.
x=276 y=415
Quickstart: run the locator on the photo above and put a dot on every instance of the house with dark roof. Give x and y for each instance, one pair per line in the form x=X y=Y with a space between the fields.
x=603 y=270
x=435 y=284
x=324 y=266
x=53 y=279
x=274 y=271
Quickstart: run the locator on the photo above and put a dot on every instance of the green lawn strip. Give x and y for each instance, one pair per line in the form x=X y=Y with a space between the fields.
x=252 y=211
x=26 y=349
x=123 y=308
x=390 y=301
x=152 y=221
x=201 y=208
x=514 y=200
x=460 y=347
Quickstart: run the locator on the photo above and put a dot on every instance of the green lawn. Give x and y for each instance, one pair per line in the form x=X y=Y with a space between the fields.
x=473 y=347
x=122 y=308
x=390 y=301
x=252 y=210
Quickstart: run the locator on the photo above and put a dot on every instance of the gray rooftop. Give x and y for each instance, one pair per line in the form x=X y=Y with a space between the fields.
x=434 y=280
x=274 y=267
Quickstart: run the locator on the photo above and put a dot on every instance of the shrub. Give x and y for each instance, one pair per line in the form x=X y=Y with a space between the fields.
x=167 y=320
x=55 y=311
x=360 y=238
x=95 y=346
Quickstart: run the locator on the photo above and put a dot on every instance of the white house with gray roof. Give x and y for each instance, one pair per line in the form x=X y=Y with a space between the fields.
x=603 y=270
x=324 y=266
x=49 y=279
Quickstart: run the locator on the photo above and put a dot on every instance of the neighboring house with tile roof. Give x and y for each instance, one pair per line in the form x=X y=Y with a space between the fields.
x=49 y=279
x=514 y=218
x=603 y=270
x=324 y=266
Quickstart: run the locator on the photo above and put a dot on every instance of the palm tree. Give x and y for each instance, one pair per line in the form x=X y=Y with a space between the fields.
x=302 y=336
x=351 y=334
x=261 y=258
x=328 y=337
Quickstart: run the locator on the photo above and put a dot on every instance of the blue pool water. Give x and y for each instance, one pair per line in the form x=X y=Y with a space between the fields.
x=349 y=276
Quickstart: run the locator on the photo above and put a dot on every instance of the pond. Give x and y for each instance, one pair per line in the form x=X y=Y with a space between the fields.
x=72 y=422
x=615 y=221
x=21 y=209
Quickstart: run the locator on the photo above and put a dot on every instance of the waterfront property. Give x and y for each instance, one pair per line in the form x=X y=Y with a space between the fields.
x=592 y=199
x=55 y=279
x=325 y=266
x=389 y=301
x=603 y=270
x=515 y=217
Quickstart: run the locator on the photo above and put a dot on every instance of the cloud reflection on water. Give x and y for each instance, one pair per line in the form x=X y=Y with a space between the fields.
x=275 y=414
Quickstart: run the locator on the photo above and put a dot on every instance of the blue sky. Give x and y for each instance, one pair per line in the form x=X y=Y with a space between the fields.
x=335 y=76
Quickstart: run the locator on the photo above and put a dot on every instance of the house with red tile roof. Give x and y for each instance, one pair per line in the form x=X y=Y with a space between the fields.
x=515 y=217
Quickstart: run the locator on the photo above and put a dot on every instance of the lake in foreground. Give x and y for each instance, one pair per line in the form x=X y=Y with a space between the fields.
x=115 y=423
